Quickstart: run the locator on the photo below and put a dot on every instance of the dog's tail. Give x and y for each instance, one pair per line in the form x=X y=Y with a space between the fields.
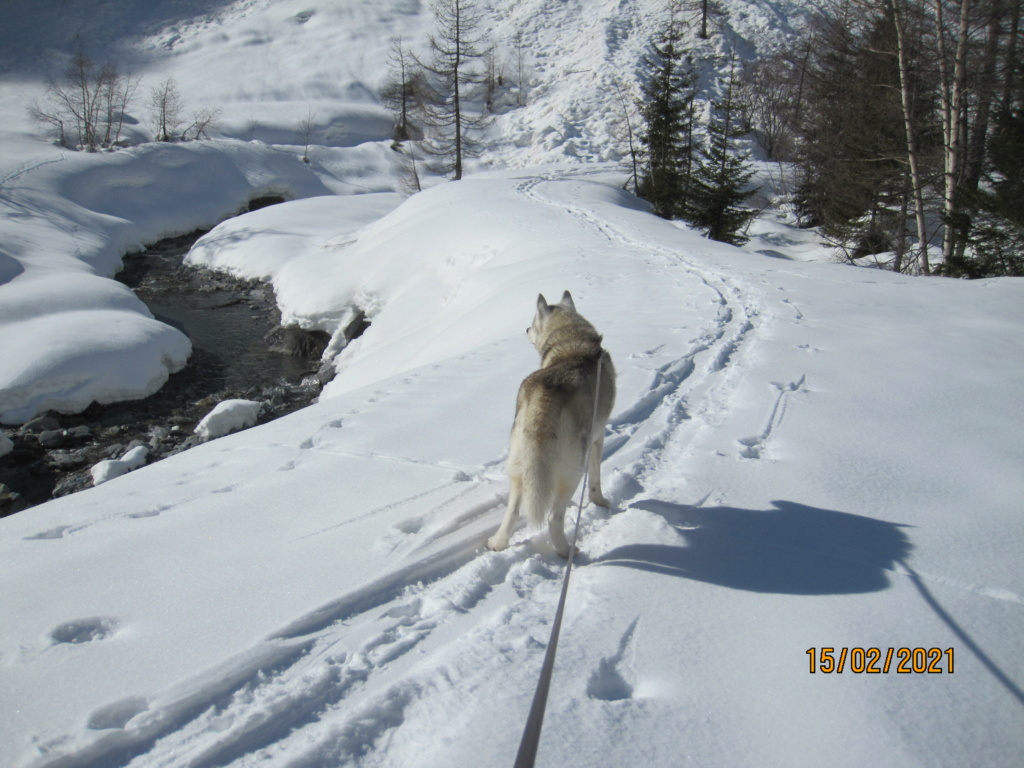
x=538 y=486
x=550 y=467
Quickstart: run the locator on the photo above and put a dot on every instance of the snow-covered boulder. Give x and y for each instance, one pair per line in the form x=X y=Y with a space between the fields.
x=227 y=417
x=111 y=468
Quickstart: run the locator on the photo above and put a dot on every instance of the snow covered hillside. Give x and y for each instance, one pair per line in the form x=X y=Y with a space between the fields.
x=805 y=461
x=69 y=217
x=802 y=456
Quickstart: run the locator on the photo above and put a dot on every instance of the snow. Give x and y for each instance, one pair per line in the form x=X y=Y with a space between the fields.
x=71 y=335
x=228 y=416
x=112 y=468
x=802 y=455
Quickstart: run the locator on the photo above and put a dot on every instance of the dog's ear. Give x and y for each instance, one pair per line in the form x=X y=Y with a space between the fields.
x=543 y=308
x=567 y=302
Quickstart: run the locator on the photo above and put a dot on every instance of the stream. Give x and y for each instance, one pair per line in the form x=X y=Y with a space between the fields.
x=239 y=350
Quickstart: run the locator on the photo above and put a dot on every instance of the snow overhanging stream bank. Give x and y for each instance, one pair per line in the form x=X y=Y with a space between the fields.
x=76 y=342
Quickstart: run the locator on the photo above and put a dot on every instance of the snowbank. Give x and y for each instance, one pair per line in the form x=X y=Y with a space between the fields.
x=70 y=336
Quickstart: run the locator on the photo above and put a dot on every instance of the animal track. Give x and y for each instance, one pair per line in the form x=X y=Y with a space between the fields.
x=83 y=631
x=52 y=533
x=610 y=681
x=147 y=513
x=754 y=445
x=117 y=714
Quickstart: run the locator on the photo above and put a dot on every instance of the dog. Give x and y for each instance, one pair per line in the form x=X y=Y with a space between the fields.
x=556 y=419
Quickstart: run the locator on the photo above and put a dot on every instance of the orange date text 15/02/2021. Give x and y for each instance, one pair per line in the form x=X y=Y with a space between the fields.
x=903 y=661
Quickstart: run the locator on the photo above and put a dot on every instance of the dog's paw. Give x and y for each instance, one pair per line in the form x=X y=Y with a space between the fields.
x=600 y=500
x=496 y=543
x=564 y=553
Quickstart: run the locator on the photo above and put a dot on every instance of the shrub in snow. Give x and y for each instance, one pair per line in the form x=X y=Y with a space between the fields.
x=111 y=468
x=229 y=416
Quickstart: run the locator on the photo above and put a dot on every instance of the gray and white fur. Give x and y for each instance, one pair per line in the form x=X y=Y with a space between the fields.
x=555 y=421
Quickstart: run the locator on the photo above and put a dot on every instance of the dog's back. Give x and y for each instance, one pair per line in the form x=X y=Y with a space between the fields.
x=556 y=419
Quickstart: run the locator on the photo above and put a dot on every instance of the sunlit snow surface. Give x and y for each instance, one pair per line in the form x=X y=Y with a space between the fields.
x=802 y=456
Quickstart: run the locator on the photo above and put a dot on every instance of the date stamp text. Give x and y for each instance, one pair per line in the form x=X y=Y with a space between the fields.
x=881 y=661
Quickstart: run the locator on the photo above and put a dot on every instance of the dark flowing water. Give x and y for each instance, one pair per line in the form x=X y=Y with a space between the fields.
x=227 y=321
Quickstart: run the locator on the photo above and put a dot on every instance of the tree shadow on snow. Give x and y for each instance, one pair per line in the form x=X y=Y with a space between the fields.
x=791 y=549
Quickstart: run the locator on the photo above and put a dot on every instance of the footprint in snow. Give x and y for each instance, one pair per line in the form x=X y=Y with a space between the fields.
x=52 y=533
x=410 y=525
x=117 y=714
x=611 y=680
x=83 y=631
x=146 y=513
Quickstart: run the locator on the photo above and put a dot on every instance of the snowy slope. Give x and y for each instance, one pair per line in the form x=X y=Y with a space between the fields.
x=787 y=472
x=802 y=455
x=265 y=66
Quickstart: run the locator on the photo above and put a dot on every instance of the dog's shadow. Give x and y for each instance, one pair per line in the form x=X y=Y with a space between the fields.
x=789 y=549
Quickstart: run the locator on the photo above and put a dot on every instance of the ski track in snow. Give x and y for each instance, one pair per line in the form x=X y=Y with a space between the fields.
x=692 y=391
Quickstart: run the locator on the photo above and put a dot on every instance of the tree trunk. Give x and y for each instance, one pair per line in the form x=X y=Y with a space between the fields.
x=899 y=19
x=952 y=123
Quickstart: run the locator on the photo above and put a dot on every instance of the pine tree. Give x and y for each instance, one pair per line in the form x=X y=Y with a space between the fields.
x=997 y=239
x=667 y=113
x=722 y=178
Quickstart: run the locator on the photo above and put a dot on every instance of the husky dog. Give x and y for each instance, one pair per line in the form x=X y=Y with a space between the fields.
x=556 y=420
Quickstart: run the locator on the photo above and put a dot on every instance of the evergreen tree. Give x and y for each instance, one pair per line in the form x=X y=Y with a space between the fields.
x=723 y=174
x=667 y=113
x=856 y=182
x=997 y=239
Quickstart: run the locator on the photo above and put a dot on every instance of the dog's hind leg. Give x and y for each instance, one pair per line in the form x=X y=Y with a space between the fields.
x=594 y=472
x=556 y=521
x=499 y=540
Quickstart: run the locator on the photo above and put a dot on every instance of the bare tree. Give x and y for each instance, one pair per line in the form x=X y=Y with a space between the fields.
x=306 y=127
x=118 y=91
x=203 y=121
x=404 y=92
x=520 y=58
x=455 y=55
x=702 y=13
x=409 y=173
x=86 y=107
x=628 y=115
x=165 y=109
x=899 y=14
x=50 y=116
x=494 y=78
x=251 y=126
x=771 y=97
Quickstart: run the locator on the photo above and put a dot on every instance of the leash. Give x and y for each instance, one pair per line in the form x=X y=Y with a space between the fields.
x=535 y=720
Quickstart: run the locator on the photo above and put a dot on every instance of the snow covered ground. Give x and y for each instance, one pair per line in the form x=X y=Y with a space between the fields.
x=802 y=456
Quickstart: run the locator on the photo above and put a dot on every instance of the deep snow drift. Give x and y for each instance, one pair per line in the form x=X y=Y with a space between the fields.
x=803 y=456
